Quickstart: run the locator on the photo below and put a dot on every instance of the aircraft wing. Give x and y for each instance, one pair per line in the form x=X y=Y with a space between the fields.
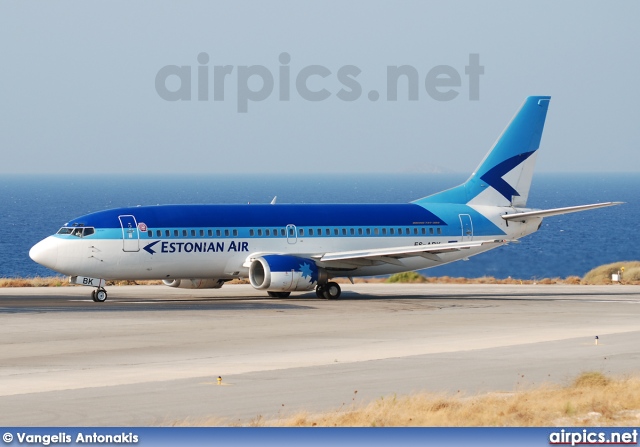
x=394 y=254
x=556 y=211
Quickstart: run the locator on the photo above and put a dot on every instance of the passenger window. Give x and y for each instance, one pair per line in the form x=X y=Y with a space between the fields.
x=301 y=231
x=352 y=231
x=226 y=232
x=150 y=233
x=439 y=230
x=260 y=232
x=415 y=231
x=368 y=231
x=399 y=230
x=209 y=233
x=392 y=231
x=360 y=231
x=267 y=232
x=251 y=233
x=175 y=233
x=218 y=233
x=158 y=233
x=424 y=230
x=310 y=231
x=235 y=232
x=336 y=232
x=193 y=233
x=283 y=232
x=344 y=231
x=201 y=233
x=376 y=231
x=384 y=231
x=431 y=230
x=327 y=232
x=184 y=233
x=291 y=232
x=167 y=233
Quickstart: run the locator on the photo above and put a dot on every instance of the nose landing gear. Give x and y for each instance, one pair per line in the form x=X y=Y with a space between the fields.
x=99 y=295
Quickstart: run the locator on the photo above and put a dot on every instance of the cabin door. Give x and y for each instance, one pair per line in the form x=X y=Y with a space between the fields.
x=467 y=227
x=292 y=234
x=130 y=235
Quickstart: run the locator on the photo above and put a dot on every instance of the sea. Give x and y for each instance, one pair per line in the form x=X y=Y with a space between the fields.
x=33 y=207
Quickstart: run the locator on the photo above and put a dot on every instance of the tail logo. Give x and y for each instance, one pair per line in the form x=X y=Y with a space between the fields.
x=493 y=177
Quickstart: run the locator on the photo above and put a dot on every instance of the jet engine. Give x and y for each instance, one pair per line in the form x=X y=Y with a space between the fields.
x=194 y=283
x=285 y=273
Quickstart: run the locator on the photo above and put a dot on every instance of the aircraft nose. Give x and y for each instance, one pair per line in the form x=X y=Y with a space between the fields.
x=45 y=252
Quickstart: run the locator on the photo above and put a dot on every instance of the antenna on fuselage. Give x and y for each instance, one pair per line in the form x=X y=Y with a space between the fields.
x=273 y=202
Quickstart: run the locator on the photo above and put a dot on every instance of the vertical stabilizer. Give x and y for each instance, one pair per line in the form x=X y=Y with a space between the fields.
x=504 y=176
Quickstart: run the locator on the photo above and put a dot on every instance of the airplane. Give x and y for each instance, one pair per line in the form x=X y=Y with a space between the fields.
x=284 y=248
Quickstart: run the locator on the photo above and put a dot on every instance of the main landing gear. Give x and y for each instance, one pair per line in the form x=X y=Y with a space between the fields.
x=99 y=295
x=329 y=291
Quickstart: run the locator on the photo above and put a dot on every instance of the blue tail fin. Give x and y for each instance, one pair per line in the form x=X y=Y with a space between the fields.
x=504 y=176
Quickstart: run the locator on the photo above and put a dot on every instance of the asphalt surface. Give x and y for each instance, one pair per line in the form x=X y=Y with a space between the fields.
x=151 y=355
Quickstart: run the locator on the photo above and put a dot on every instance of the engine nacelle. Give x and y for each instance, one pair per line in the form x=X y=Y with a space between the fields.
x=285 y=273
x=194 y=283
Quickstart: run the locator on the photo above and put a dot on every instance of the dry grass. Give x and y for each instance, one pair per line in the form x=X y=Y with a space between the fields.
x=591 y=400
x=602 y=274
x=239 y=281
x=417 y=278
x=54 y=281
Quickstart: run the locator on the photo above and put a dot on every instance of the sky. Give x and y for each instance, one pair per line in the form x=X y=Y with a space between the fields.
x=287 y=86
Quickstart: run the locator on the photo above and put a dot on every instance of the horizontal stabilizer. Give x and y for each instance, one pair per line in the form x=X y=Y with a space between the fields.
x=556 y=211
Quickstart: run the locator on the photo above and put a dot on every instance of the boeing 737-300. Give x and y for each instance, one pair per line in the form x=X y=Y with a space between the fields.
x=284 y=248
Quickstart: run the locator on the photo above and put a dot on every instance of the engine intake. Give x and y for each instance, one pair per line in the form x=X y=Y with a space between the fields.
x=285 y=273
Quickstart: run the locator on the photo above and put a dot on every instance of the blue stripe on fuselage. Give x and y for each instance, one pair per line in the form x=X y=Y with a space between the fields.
x=280 y=215
x=179 y=216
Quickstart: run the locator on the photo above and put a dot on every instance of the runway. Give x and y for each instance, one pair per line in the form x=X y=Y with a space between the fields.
x=150 y=355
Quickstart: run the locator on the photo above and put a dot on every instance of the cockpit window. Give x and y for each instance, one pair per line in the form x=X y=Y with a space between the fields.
x=76 y=231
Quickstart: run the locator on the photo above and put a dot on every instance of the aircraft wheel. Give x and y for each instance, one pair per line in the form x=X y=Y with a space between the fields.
x=332 y=291
x=93 y=296
x=101 y=295
x=320 y=292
